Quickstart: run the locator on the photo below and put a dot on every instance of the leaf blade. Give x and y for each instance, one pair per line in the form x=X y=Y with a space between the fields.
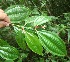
x=33 y=43
x=8 y=52
x=39 y=20
x=52 y=43
x=20 y=39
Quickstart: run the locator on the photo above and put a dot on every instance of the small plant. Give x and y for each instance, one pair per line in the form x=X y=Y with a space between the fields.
x=31 y=31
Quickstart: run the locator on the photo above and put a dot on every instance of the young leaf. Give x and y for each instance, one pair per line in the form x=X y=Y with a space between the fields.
x=8 y=52
x=52 y=43
x=20 y=39
x=33 y=43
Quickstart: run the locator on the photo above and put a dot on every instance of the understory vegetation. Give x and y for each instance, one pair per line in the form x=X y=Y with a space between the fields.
x=39 y=31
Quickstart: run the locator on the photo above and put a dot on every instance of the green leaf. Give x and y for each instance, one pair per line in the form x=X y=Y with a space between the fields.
x=52 y=43
x=3 y=43
x=24 y=55
x=17 y=13
x=38 y=20
x=33 y=43
x=35 y=11
x=20 y=39
x=8 y=52
x=67 y=16
x=15 y=9
x=20 y=60
x=17 y=18
x=9 y=61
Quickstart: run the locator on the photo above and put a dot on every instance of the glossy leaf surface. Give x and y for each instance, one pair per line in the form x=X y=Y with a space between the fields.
x=33 y=43
x=8 y=52
x=52 y=43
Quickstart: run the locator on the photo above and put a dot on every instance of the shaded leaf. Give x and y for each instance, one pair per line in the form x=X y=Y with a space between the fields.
x=3 y=43
x=20 y=60
x=24 y=55
x=9 y=61
x=20 y=39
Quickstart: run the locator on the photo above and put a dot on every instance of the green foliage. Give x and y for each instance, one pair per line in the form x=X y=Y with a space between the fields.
x=9 y=61
x=2 y=42
x=8 y=52
x=52 y=43
x=20 y=39
x=33 y=31
x=15 y=11
x=33 y=43
x=39 y=20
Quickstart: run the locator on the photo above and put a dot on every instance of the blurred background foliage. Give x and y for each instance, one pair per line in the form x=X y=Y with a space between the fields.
x=52 y=7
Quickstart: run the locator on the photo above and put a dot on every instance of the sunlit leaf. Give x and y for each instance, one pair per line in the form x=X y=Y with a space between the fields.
x=52 y=43
x=20 y=60
x=3 y=43
x=17 y=13
x=33 y=43
x=8 y=52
